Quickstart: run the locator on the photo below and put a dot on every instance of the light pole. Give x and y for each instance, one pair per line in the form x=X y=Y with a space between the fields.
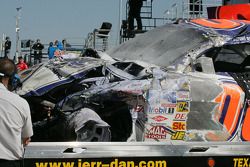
x=174 y=7
x=17 y=33
x=166 y=15
x=120 y=21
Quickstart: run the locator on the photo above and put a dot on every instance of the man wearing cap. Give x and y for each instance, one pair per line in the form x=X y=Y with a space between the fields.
x=15 y=118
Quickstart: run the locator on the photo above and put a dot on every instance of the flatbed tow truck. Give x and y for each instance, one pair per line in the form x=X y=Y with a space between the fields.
x=137 y=154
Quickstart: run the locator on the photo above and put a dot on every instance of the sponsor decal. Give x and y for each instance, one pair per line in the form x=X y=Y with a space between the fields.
x=169 y=96
x=179 y=126
x=159 y=118
x=185 y=86
x=166 y=105
x=182 y=106
x=180 y=116
x=179 y=135
x=242 y=162
x=183 y=95
x=156 y=132
x=161 y=110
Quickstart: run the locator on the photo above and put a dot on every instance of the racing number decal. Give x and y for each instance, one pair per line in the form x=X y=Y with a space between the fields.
x=231 y=104
x=245 y=21
x=217 y=23
x=245 y=135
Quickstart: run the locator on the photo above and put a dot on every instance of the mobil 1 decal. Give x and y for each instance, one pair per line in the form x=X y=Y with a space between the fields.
x=161 y=102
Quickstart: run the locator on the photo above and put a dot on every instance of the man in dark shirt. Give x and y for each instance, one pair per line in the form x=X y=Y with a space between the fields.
x=134 y=13
x=38 y=47
x=7 y=46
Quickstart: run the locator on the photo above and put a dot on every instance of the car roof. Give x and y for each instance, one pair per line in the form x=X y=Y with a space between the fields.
x=163 y=45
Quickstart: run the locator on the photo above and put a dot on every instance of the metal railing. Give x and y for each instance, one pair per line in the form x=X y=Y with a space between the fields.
x=199 y=8
x=98 y=39
x=187 y=9
x=148 y=21
x=28 y=52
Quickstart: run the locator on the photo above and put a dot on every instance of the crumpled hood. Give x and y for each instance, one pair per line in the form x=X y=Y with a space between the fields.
x=55 y=73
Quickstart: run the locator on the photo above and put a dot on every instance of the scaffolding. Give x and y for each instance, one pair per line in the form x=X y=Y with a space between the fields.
x=149 y=22
x=182 y=9
x=190 y=9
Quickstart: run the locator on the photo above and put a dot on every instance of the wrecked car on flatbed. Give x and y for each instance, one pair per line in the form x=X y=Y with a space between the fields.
x=180 y=82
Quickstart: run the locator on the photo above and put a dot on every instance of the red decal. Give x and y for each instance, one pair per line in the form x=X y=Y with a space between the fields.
x=159 y=118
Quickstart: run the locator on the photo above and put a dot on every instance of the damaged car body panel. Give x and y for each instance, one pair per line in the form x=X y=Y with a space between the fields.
x=179 y=82
x=219 y=57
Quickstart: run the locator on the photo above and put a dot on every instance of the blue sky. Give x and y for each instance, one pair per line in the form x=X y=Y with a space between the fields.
x=58 y=19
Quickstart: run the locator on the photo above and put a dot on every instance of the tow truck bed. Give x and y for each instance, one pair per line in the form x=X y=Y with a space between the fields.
x=167 y=154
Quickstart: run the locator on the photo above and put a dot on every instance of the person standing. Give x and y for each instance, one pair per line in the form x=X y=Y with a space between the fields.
x=15 y=118
x=7 y=47
x=59 y=45
x=134 y=13
x=65 y=44
x=38 y=47
x=51 y=50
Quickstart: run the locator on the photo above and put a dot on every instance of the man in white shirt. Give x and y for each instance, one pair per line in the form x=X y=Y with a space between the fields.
x=15 y=118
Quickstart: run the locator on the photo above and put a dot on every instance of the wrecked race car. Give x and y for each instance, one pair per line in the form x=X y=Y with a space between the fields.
x=179 y=82
x=65 y=105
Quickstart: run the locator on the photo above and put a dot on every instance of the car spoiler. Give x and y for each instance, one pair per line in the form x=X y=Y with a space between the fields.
x=232 y=12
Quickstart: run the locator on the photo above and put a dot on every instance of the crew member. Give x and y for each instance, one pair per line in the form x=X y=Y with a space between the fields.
x=59 y=45
x=15 y=118
x=51 y=50
x=7 y=46
x=38 y=47
x=134 y=13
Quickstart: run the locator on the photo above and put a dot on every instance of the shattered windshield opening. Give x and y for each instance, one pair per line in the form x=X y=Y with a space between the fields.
x=129 y=67
x=161 y=46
